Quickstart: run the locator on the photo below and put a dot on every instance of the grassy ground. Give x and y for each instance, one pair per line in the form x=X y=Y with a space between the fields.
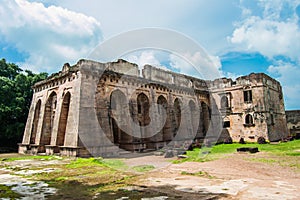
x=87 y=176
x=91 y=176
x=13 y=157
x=285 y=153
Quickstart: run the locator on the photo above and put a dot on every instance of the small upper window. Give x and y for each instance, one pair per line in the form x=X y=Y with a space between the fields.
x=249 y=119
x=248 y=96
x=226 y=124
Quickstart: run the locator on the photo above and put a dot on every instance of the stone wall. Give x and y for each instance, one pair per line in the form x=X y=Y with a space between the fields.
x=108 y=109
x=261 y=115
x=43 y=123
x=293 y=122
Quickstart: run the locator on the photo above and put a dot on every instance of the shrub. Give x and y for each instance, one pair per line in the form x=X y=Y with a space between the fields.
x=261 y=140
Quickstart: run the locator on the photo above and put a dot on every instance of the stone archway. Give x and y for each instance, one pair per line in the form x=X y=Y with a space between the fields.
x=166 y=132
x=205 y=117
x=143 y=119
x=49 y=114
x=177 y=115
x=118 y=106
x=35 y=121
x=63 y=119
x=143 y=106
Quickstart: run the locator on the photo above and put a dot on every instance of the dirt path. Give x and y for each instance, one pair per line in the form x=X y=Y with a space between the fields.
x=236 y=175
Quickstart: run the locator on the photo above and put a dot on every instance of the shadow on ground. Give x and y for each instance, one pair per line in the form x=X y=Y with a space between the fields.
x=77 y=191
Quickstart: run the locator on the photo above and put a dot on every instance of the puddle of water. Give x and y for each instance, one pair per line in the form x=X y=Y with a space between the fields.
x=156 y=198
x=151 y=198
x=31 y=172
x=26 y=188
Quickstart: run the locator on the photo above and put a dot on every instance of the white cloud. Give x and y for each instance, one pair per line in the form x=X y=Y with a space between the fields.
x=50 y=35
x=231 y=75
x=274 y=32
x=288 y=75
x=270 y=38
x=144 y=58
x=196 y=64
x=270 y=34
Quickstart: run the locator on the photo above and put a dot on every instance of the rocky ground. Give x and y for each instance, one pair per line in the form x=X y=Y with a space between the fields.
x=236 y=176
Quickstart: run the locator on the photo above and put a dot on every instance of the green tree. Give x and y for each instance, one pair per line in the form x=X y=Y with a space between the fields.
x=15 y=99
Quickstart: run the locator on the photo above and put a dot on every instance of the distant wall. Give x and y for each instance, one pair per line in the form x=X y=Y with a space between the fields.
x=293 y=122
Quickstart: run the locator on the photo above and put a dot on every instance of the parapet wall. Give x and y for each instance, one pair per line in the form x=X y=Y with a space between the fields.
x=164 y=76
x=251 y=79
x=120 y=66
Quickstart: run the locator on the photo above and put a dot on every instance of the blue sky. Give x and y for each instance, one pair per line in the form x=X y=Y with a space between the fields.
x=240 y=36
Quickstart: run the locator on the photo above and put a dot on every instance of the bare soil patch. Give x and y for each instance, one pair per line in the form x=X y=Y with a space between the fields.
x=238 y=175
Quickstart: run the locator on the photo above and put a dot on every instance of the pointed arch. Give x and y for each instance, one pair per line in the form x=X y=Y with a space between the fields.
x=143 y=106
x=177 y=114
x=205 y=117
x=249 y=119
x=118 y=106
x=63 y=119
x=166 y=132
x=35 y=121
x=49 y=114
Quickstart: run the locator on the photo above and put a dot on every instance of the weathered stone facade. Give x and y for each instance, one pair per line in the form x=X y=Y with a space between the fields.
x=293 y=122
x=251 y=107
x=106 y=109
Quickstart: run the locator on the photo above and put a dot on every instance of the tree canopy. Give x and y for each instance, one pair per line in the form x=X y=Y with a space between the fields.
x=15 y=100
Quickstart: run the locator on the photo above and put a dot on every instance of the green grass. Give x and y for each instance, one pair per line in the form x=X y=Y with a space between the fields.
x=116 y=164
x=143 y=168
x=30 y=157
x=87 y=175
x=291 y=148
x=6 y=192
x=200 y=173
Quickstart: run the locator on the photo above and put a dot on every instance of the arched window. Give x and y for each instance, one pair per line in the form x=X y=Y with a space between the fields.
x=249 y=119
x=224 y=102
x=248 y=96
x=143 y=106
x=164 y=104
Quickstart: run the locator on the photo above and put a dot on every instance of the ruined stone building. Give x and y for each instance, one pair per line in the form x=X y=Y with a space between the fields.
x=252 y=106
x=106 y=109
x=293 y=122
